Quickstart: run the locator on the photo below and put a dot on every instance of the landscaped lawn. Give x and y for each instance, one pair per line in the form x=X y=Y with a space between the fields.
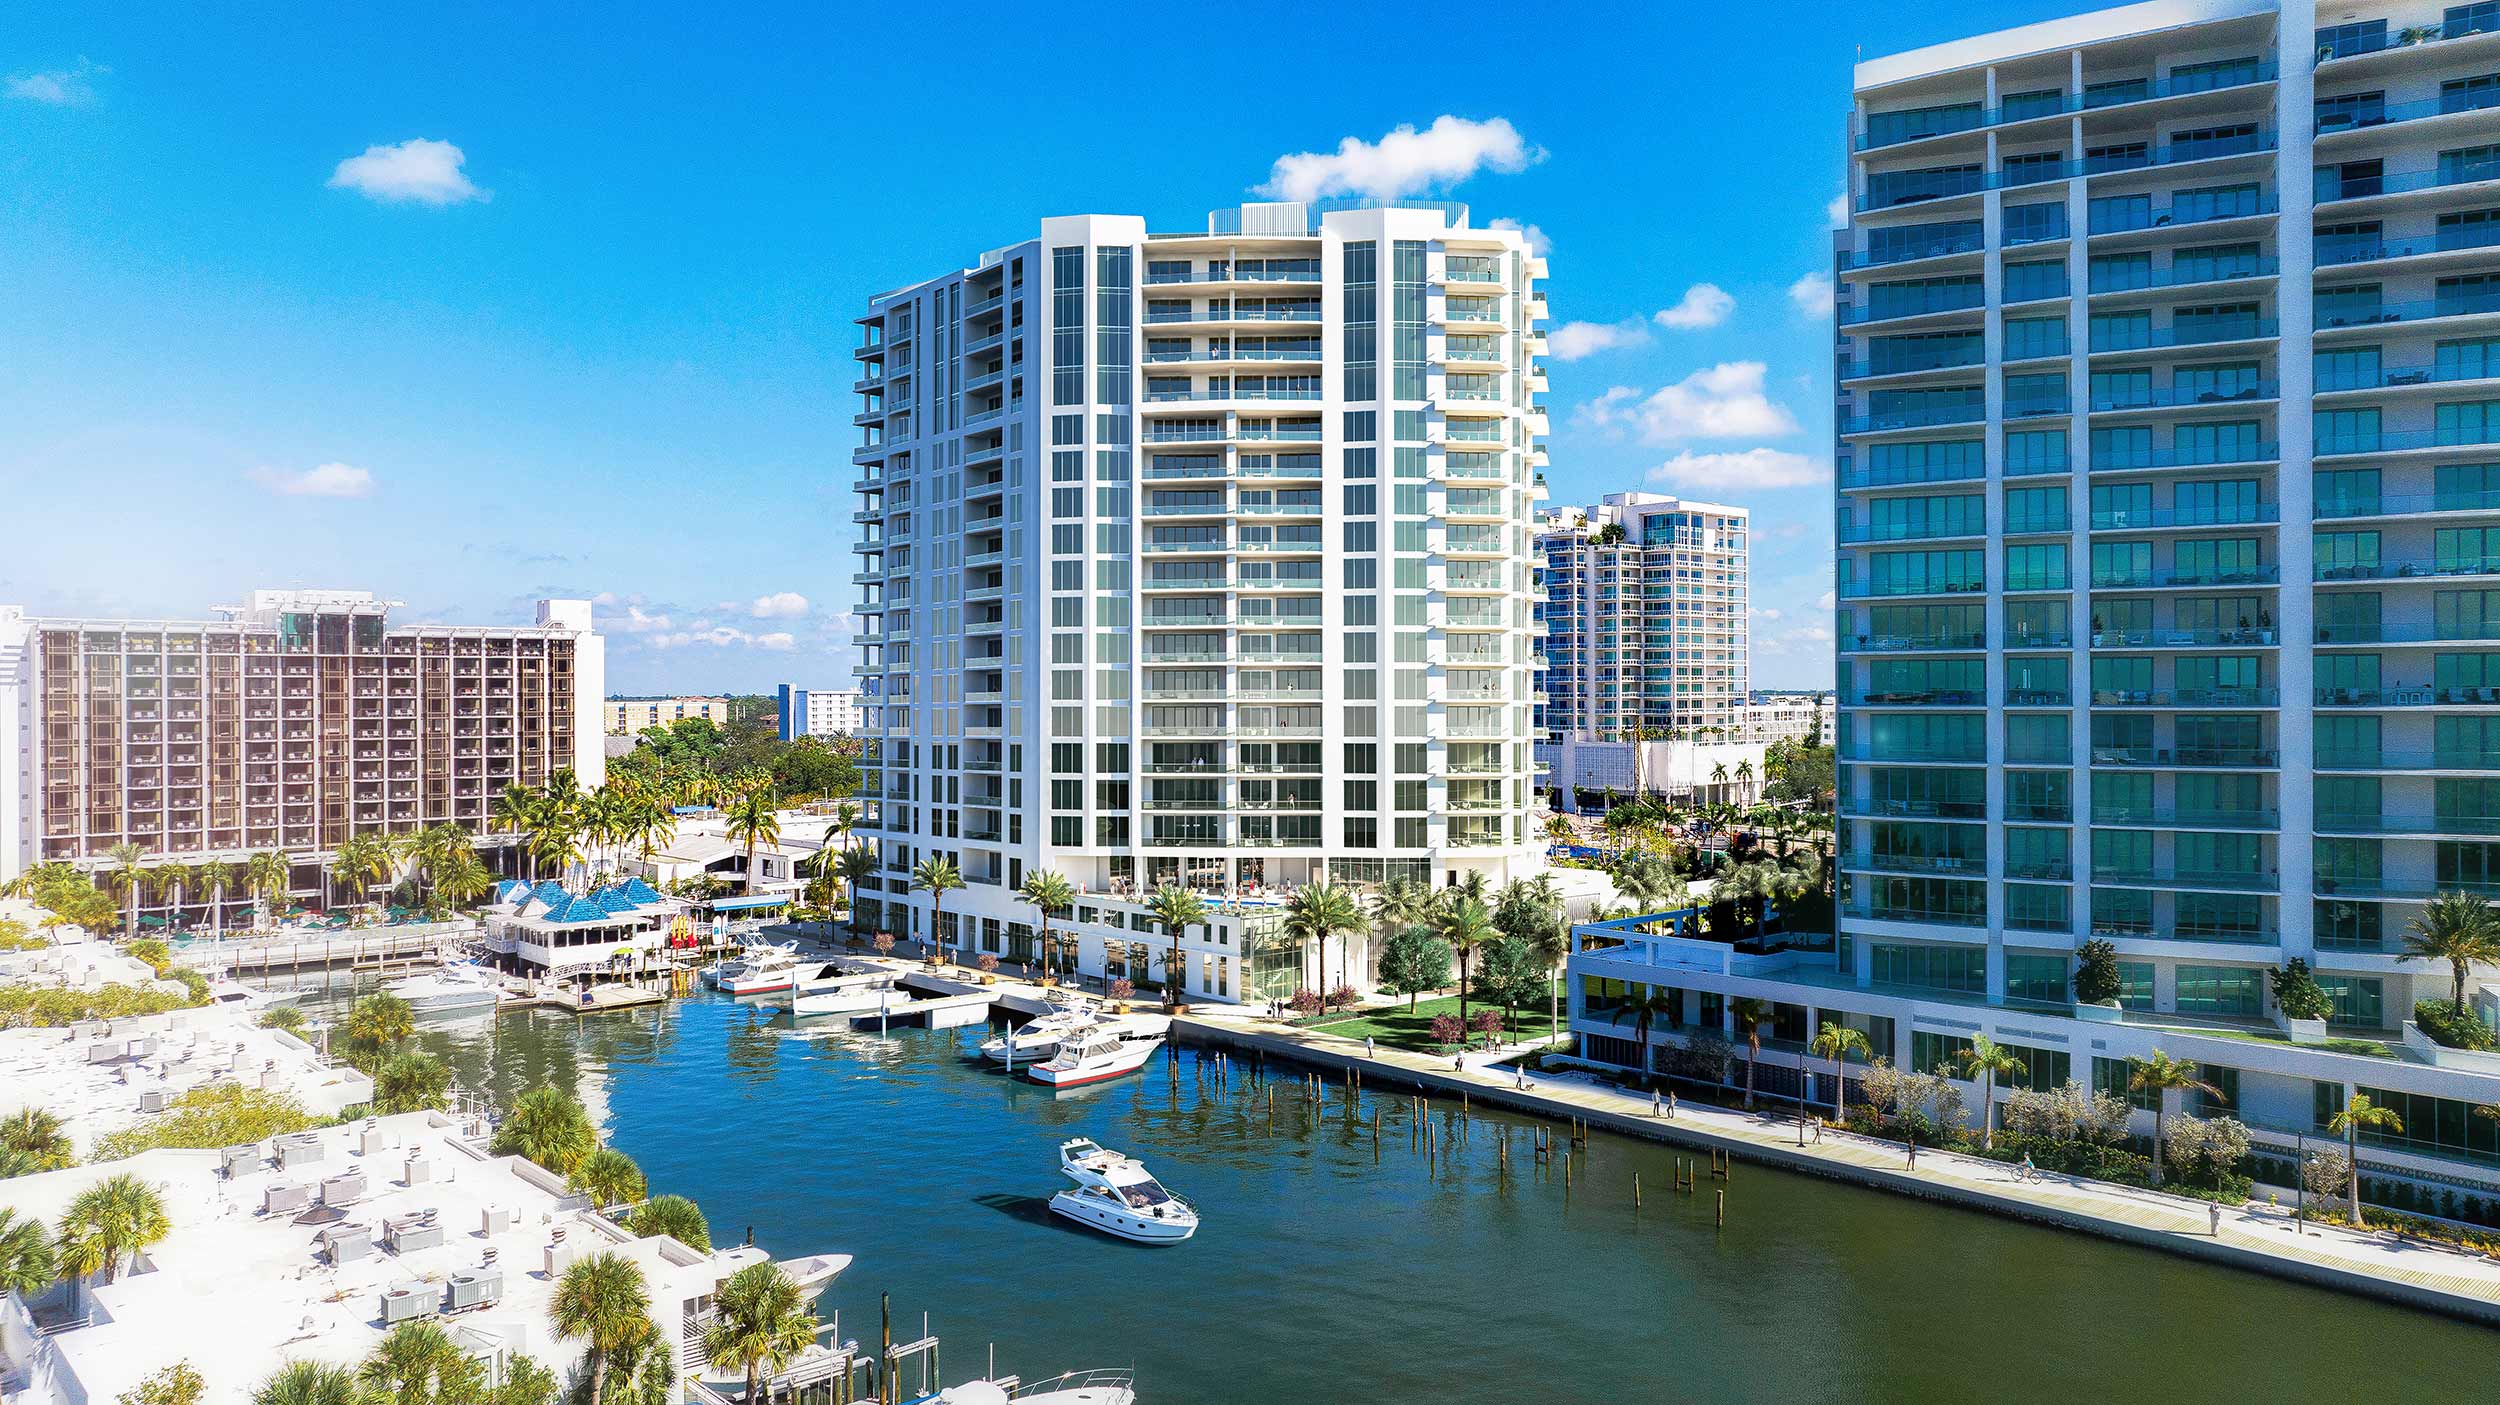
x=1401 y=1030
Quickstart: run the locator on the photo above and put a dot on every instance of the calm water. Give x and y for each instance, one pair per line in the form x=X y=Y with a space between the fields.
x=1321 y=1277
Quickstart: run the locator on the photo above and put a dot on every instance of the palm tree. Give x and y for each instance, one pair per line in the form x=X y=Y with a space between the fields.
x=1651 y=1002
x=856 y=866
x=608 y=1177
x=418 y=1363
x=38 y=1134
x=761 y=1321
x=26 y=1264
x=412 y=1082
x=2459 y=928
x=1750 y=1014
x=376 y=1024
x=1837 y=1042
x=1744 y=774
x=1465 y=925
x=2158 y=1074
x=547 y=1127
x=361 y=861
x=752 y=821
x=1049 y=891
x=107 y=1223
x=1987 y=1061
x=602 y=1300
x=937 y=876
x=466 y=881
x=515 y=812
x=1718 y=774
x=676 y=1217
x=1397 y=905
x=1175 y=907
x=309 y=1383
x=1316 y=912
x=2358 y=1114
x=127 y=879
x=267 y=875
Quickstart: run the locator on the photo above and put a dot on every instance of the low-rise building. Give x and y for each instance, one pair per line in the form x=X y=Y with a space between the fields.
x=628 y=716
x=818 y=712
x=547 y=932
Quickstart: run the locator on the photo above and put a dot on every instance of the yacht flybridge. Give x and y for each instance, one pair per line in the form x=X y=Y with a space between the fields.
x=1119 y=1196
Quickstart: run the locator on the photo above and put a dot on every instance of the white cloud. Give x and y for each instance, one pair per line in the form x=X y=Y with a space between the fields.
x=785 y=604
x=1812 y=294
x=1538 y=244
x=1405 y=162
x=1725 y=401
x=1811 y=639
x=1704 y=305
x=637 y=622
x=1573 y=340
x=329 y=480
x=418 y=170
x=721 y=636
x=1838 y=211
x=59 y=87
x=1747 y=470
x=1825 y=601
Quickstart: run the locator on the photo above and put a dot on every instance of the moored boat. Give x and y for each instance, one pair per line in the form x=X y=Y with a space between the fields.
x=1092 y=1056
x=1119 y=1196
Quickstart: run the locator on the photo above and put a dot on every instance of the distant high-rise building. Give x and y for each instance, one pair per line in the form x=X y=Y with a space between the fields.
x=1201 y=557
x=1645 y=617
x=287 y=724
x=818 y=712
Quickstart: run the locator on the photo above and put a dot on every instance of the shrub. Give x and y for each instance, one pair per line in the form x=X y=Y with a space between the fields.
x=1304 y=1002
x=2205 y=1153
x=2453 y=1025
x=988 y=963
x=1121 y=989
x=2297 y=993
x=1447 y=1030
x=2096 y=972
x=205 y=1118
x=1343 y=997
x=26 y=1006
x=2069 y=1113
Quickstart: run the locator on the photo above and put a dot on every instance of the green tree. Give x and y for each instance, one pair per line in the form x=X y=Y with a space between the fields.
x=361 y=861
x=2159 y=1074
x=177 y=1384
x=418 y=1363
x=608 y=1177
x=2297 y=993
x=1464 y=926
x=2361 y=1114
x=761 y=1322
x=601 y=1300
x=412 y=1082
x=1175 y=907
x=1647 y=1003
x=309 y=1383
x=525 y=1382
x=1751 y=1014
x=106 y=1224
x=937 y=876
x=1986 y=1061
x=1413 y=961
x=375 y=1025
x=1049 y=892
x=2097 y=981
x=675 y=1216
x=128 y=880
x=38 y=1133
x=548 y=1127
x=1837 y=1042
x=1509 y=973
x=267 y=875
x=2459 y=928
x=752 y=821
x=26 y=1262
x=1316 y=912
x=1531 y=911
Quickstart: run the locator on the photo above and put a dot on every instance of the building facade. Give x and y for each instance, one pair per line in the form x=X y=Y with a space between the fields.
x=1201 y=558
x=628 y=716
x=287 y=724
x=2168 y=431
x=818 y=712
x=1645 y=625
x=1773 y=717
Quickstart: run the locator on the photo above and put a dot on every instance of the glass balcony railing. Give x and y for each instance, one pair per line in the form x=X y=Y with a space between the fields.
x=2203 y=331
x=2406 y=697
x=2214 y=515
x=2117 y=458
x=1974 y=118
x=1915 y=643
x=2407 y=570
x=2121 y=216
x=2428 y=309
x=2452 y=758
x=1889 y=308
x=2186 y=758
x=2336 y=250
x=2407 y=824
x=2171 y=397
x=2379 y=632
x=1956 y=241
x=2186 y=697
x=2333 y=186
x=2184 y=576
x=2187 y=819
x=2393 y=441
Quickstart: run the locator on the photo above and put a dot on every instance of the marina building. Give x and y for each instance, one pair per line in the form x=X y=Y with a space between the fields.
x=2168 y=440
x=628 y=716
x=1201 y=557
x=818 y=712
x=286 y=723
x=1645 y=624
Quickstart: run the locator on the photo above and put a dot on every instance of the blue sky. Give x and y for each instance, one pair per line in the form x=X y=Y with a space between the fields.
x=474 y=305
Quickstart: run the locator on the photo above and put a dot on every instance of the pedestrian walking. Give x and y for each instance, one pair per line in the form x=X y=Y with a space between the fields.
x=1670 y=1104
x=1367 y=1046
x=1913 y=1156
x=1653 y=1102
x=2213 y=1218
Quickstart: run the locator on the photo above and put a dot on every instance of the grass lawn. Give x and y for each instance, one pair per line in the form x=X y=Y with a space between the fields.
x=1400 y=1030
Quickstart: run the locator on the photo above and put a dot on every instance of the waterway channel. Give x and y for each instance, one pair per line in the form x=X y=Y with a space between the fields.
x=1324 y=1276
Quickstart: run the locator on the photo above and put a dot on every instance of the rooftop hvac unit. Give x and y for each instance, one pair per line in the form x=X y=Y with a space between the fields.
x=151 y=1100
x=408 y=1300
x=478 y=1289
x=421 y=1231
x=417 y=1171
x=235 y=1160
x=285 y=1199
x=494 y=1219
x=347 y=1243
x=299 y=1149
x=103 y=1052
x=343 y=1190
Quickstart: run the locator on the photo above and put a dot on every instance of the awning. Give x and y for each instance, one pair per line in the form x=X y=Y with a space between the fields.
x=760 y=900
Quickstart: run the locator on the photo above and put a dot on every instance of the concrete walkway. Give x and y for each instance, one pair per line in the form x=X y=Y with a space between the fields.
x=2255 y=1237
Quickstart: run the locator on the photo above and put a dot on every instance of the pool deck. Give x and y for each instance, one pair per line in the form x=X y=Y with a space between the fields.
x=2255 y=1237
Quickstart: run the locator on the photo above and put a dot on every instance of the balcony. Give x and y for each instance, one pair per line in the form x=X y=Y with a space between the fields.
x=2342 y=250
x=2399 y=441
x=2406 y=759
x=2184 y=398
x=2189 y=698
x=2259 y=820
x=2334 y=188
x=2187 y=758
x=2217 y=515
x=2215 y=331
x=2423 y=310
x=2105 y=98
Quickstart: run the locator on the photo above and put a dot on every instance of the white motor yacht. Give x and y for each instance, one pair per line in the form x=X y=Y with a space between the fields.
x=1040 y=1037
x=455 y=985
x=1098 y=1387
x=1093 y=1055
x=1118 y=1195
x=760 y=970
x=845 y=994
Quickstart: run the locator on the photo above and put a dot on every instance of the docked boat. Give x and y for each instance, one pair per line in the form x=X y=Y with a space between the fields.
x=1096 y=1054
x=1040 y=1037
x=760 y=970
x=1119 y=1196
x=1098 y=1387
x=453 y=986
x=845 y=993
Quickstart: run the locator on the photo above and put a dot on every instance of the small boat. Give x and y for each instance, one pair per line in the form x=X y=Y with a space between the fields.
x=1119 y=1196
x=1092 y=1056
x=761 y=970
x=1040 y=1037
x=844 y=994
x=455 y=985
x=1096 y=1387
x=226 y=992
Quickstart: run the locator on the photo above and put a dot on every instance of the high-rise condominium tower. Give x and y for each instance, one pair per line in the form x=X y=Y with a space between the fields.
x=1644 y=622
x=2169 y=589
x=1201 y=558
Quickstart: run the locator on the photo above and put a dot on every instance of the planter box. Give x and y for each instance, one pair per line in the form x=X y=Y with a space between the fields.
x=2438 y=1055
x=2099 y=1014
x=2302 y=1031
